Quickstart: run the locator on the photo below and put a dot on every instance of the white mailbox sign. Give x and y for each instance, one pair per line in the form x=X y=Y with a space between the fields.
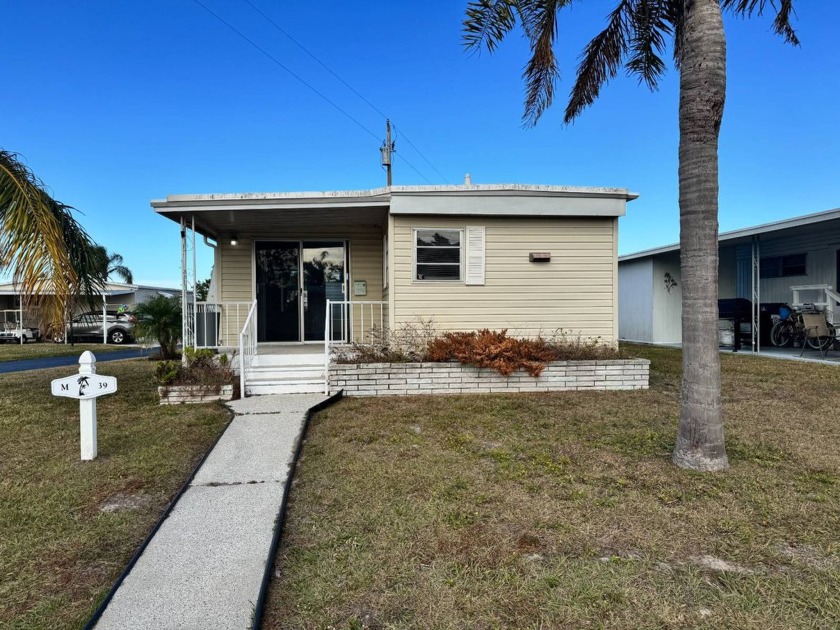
x=85 y=387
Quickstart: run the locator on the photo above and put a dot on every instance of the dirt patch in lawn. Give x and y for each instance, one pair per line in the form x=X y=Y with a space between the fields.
x=565 y=511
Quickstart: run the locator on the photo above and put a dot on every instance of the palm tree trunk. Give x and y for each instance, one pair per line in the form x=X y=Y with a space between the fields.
x=700 y=444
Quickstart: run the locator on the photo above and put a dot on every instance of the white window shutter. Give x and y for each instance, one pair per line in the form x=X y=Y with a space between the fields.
x=385 y=261
x=475 y=255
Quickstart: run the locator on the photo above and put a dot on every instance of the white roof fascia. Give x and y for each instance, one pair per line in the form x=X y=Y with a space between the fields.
x=518 y=190
x=784 y=224
x=378 y=197
x=111 y=288
x=508 y=202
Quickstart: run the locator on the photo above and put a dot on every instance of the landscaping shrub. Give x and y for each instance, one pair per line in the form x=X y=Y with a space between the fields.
x=492 y=349
x=407 y=343
x=159 y=319
x=203 y=368
x=483 y=349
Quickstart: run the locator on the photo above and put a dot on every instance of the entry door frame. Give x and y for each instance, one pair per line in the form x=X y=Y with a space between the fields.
x=300 y=241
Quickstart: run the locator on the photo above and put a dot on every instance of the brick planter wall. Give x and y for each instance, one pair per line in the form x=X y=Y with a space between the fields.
x=179 y=394
x=399 y=379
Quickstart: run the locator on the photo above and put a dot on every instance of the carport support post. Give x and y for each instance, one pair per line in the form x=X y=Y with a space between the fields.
x=87 y=410
x=104 y=319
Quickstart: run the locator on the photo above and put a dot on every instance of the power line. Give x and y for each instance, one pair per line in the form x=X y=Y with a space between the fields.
x=303 y=81
x=348 y=86
x=419 y=152
x=414 y=168
x=311 y=54
x=276 y=61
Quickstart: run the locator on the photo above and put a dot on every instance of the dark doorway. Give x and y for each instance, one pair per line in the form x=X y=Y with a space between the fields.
x=323 y=279
x=278 y=291
x=294 y=281
x=837 y=274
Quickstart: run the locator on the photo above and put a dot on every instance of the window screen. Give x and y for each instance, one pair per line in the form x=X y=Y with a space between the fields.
x=783 y=266
x=437 y=254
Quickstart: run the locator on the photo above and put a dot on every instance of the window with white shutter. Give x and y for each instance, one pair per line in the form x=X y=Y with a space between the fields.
x=475 y=255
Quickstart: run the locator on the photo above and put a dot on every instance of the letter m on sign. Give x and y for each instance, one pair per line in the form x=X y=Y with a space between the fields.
x=65 y=387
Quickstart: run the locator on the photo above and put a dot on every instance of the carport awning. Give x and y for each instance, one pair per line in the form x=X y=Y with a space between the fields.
x=218 y=217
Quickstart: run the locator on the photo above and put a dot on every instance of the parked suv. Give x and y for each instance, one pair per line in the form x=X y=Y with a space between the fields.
x=89 y=326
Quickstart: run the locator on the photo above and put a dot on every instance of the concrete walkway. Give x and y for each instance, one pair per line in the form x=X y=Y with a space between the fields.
x=204 y=566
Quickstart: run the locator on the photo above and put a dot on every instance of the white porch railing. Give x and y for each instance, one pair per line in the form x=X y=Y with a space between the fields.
x=826 y=301
x=247 y=347
x=351 y=322
x=219 y=323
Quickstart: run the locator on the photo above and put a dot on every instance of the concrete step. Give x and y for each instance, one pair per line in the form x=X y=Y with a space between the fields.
x=280 y=373
x=263 y=388
x=287 y=360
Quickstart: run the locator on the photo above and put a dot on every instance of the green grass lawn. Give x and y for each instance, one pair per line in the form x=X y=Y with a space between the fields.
x=67 y=527
x=564 y=510
x=16 y=351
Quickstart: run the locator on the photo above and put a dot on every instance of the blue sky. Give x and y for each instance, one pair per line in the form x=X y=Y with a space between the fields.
x=114 y=103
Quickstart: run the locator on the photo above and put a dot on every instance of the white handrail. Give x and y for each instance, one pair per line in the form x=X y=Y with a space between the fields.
x=327 y=337
x=247 y=347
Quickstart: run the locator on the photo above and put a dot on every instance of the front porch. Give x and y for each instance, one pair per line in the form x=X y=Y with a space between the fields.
x=266 y=367
x=278 y=261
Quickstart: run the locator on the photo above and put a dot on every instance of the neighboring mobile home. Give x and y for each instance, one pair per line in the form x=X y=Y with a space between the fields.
x=113 y=296
x=764 y=265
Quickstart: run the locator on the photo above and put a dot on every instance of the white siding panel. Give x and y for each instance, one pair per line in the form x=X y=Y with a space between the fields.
x=635 y=300
x=667 y=299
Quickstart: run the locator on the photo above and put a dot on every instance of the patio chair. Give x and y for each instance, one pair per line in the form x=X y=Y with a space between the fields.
x=817 y=330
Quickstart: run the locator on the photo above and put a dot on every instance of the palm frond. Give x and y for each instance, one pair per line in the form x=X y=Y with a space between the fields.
x=121 y=271
x=601 y=59
x=539 y=20
x=41 y=243
x=674 y=14
x=650 y=26
x=487 y=22
x=781 y=23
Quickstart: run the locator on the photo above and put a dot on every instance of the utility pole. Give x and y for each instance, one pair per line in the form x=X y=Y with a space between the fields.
x=387 y=149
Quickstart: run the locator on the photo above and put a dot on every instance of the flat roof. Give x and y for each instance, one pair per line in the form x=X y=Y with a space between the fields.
x=784 y=224
x=384 y=194
x=111 y=288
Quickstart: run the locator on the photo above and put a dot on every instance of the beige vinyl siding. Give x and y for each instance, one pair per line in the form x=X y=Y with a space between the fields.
x=574 y=292
x=236 y=284
x=236 y=274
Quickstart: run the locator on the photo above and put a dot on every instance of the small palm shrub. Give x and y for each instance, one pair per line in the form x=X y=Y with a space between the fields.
x=159 y=319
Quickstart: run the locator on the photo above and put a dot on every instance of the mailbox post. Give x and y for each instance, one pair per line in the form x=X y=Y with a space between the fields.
x=86 y=387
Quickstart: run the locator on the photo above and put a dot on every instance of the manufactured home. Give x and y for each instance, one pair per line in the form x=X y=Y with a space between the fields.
x=530 y=259
x=794 y=261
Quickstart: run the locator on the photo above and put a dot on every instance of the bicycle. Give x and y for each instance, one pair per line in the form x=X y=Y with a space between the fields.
x=791 y=330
